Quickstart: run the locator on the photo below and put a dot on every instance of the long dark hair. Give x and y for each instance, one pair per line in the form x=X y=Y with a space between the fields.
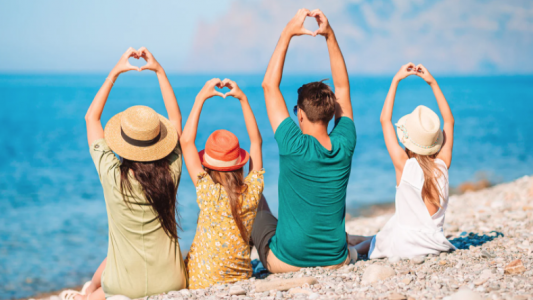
x=430 y=190
x=233 y=183
x=159 y=188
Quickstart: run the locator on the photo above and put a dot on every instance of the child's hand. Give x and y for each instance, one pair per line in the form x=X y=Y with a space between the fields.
x=405 y=71
x=123 y=64
x=209 y=91
x=296 y=24
x=421 y=71
x=235 y=90
x=151 y=63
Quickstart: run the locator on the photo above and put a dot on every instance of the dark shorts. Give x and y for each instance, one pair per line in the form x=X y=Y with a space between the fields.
x=264 y=229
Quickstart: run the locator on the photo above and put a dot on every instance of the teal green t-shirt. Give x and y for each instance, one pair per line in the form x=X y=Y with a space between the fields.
x=312 y=195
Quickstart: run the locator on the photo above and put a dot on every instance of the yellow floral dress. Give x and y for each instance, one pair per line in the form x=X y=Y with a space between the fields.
x=218 y=253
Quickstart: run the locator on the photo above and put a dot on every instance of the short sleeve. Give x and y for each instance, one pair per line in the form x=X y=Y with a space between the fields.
x=206 y=190
x=176 y=162
x=256 y=183
x=105 y=161
x=289 y=137
x=345 y=131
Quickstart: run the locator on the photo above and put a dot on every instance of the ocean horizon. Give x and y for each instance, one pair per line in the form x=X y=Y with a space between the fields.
x=54 y=223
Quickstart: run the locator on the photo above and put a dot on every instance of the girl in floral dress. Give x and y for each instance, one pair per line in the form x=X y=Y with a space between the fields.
x=228 y=201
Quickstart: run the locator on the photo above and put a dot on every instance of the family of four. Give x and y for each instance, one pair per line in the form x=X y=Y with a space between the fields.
x=140 y=186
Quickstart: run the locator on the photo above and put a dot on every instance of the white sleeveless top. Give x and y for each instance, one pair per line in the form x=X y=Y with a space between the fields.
x=412 y=231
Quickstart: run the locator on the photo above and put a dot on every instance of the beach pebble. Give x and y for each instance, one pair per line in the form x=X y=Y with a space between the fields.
x=377 y=272
x=396 y=296
x=394 y=259
x=515 y=267
x=466 y=294
x=118 y=297
x=283 y=284
x=418 y=259
x=237 y=290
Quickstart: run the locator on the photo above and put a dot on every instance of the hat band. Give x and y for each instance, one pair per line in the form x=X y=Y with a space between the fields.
x=220 y=163
x=139 y=143
x=406 y=136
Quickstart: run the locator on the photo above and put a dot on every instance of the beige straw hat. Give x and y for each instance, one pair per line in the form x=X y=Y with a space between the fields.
x=140 y=134
x=420 y=131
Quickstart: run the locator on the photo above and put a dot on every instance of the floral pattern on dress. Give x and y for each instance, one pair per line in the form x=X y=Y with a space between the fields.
x=218 y=253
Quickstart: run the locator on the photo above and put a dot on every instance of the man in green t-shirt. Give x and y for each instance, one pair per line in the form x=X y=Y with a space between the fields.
x=314 y=165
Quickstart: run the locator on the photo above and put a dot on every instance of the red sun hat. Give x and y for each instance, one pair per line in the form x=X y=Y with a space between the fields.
x=223 y=153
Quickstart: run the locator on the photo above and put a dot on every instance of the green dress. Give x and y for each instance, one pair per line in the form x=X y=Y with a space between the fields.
x=142 y=260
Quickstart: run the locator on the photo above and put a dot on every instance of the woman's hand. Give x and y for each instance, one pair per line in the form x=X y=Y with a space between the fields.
x=151 y=63
x=422 y=72
x=123 y=64
x=235 y=90
x=296 y=24
x=405 y=71
x=323 y=24
x=209 y=91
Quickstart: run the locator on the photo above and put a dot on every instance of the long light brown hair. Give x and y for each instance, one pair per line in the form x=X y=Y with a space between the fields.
x=431 y=192
x=159 y=188
x=233 y=183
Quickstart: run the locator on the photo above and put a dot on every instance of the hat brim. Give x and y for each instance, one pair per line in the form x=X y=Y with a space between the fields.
x=415 y=148
x=162 y=148
x=244 y=156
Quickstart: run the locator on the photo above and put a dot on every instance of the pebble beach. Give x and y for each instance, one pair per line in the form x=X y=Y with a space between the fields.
x=491 y=228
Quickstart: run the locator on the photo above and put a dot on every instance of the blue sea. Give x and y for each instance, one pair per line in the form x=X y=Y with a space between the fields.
x=53 y=223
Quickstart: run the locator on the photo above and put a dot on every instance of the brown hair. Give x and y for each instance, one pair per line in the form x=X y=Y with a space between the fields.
x=317 y=100
x=233 y=183
x=430 y=190
x=159 y=188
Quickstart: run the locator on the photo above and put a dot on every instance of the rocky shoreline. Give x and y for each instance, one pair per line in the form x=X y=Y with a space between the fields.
x=492 y=229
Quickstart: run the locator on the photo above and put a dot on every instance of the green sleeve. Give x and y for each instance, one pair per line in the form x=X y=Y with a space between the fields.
x=345 y=130
x=289 y=137
x=106 y=163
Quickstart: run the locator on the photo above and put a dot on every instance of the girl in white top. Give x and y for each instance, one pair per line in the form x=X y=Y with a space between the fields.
x=421 y=177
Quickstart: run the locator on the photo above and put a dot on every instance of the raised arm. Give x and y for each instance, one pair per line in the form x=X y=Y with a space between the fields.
x=343 y=107
x=256 y=142
x=275 y=104
x=95 y=131
x=188 y=137
x=171 y=104
x=446 y=151
x=396 y=152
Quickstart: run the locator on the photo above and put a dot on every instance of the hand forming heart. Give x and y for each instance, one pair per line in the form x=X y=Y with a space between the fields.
x=296 y=25
x=124 y=65
x=418 y=70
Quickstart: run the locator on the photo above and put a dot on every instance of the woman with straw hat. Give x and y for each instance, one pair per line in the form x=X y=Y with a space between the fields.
x=220 y=252
x=140 y=190
x=421 y=177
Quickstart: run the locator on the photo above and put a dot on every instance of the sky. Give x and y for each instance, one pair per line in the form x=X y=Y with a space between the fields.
x=456 y=37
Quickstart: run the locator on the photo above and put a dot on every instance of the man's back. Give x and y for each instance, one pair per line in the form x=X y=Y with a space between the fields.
x=312 y=195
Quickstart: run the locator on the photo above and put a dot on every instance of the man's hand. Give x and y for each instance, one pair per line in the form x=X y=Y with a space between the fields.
x=296 y=24
x=323 y=24
x=123 y=64
x=235 y=90
x=405 y=71
x=209 y=91
x=422 y=72
x=151 y=63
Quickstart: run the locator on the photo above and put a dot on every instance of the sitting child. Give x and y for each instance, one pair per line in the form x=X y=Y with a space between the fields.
x=220 y=252
x=421 y=177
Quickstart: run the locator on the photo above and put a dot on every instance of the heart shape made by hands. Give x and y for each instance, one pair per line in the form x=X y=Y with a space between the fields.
x=225 y=84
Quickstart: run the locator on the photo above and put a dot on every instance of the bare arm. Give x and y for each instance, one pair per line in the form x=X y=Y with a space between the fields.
x=446 y=151
x=275 y=104
x=396 y=152
x=343 y=107
x=171 y=104
x=256 y=142
x=95 y=130
x=188 y=137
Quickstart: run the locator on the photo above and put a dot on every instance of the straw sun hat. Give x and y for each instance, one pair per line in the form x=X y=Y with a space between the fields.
x=420 y=131
x=140 y=134
x=223 y=153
